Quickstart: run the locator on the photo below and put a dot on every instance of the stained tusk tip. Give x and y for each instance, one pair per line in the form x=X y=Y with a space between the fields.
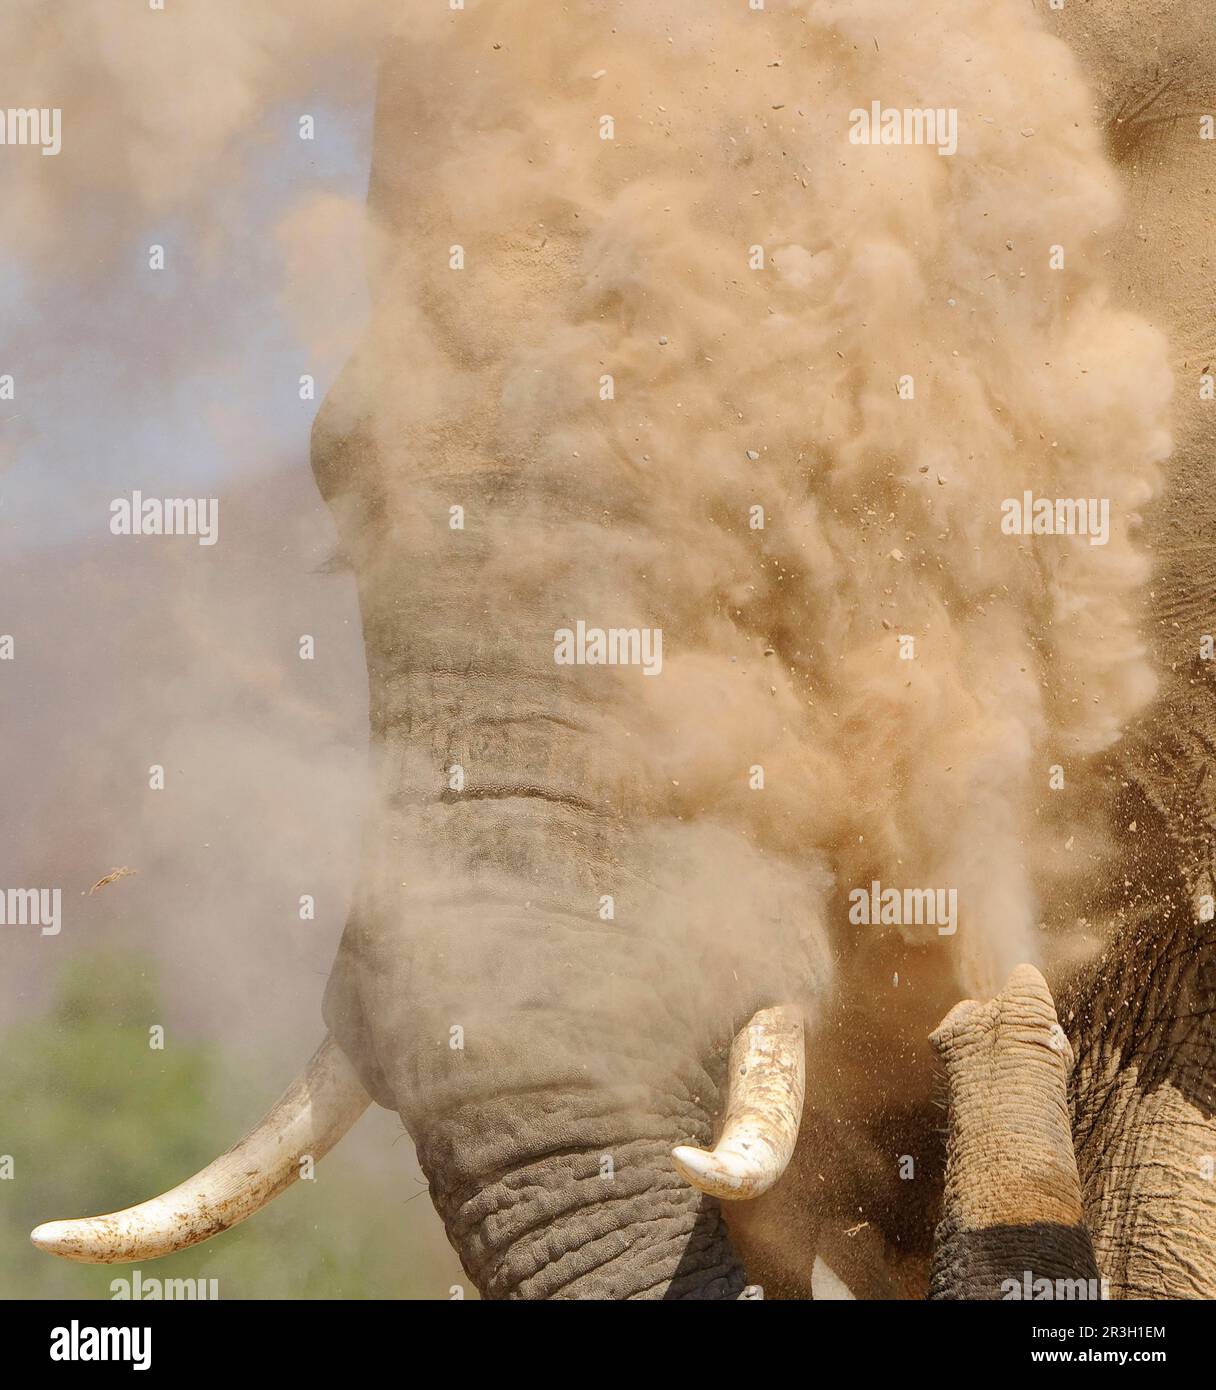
x=691 y=1161
x=309 y=1118
x=52 y=1236
x=711 y=1172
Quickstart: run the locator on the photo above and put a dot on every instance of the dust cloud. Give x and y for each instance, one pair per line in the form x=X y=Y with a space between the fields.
x=158 y=107
x=706 y=365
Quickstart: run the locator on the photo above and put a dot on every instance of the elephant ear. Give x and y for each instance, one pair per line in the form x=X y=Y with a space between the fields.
x=344 y=1015
x=1011 y=1214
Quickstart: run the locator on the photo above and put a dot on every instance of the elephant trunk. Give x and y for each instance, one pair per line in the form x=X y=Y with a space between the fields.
x=1011 y=1215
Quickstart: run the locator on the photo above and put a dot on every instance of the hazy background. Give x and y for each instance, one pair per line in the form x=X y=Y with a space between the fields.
x=181 y=128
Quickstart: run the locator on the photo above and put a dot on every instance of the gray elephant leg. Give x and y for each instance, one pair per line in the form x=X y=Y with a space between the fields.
x=1143 y=1024
x=1012 y=1213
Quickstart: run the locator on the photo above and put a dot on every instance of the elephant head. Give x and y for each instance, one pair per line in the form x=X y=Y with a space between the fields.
x=584 y=946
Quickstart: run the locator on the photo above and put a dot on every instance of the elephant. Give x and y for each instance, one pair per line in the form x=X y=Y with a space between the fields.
x=1142 y=1019
x=599 y=958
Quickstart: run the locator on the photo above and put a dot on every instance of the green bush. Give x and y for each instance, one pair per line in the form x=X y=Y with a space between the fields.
x=94 y=1119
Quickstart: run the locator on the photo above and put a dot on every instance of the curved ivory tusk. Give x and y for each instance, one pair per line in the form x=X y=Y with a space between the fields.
x=308 y=1119
x=763 y=1111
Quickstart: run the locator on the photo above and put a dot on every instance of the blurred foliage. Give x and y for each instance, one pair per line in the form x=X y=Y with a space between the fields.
x=95 y=1119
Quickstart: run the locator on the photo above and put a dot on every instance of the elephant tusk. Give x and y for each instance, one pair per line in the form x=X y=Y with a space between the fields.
x=308 y=1119
x=763 y=1111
